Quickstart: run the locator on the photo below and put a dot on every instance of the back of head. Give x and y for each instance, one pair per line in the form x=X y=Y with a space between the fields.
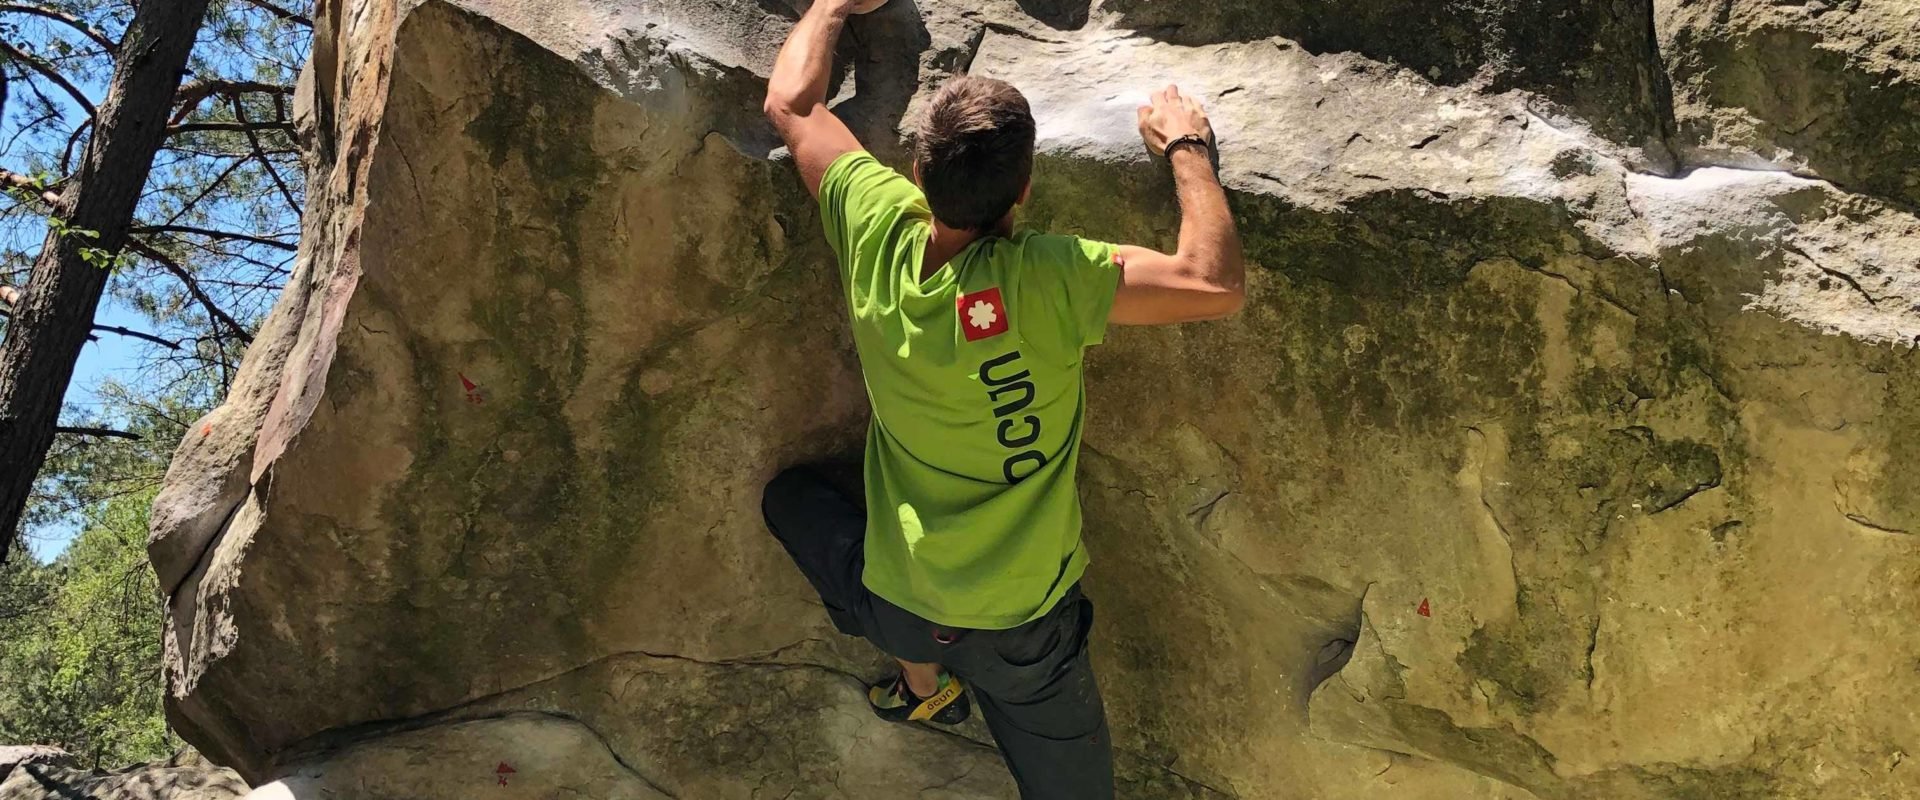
x=974 y=151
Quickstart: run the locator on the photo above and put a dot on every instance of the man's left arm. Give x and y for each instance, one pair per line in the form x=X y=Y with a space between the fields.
x=797 y=93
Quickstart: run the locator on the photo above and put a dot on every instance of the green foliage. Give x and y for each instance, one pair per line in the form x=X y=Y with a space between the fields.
x=80 y=638
x=97 y=256
x=26 y=587
x=83 y=472
x=80 y=644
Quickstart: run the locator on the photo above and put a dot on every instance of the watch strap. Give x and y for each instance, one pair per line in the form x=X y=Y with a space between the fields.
x=1193 y=139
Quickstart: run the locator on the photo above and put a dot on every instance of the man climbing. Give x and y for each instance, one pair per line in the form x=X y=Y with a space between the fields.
x=965 y=564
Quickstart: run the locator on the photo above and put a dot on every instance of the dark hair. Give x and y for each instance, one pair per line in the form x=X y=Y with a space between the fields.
x=974 y=148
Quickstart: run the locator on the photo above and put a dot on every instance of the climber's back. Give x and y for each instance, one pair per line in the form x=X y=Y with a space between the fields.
x=966 y=561
x=973 y=366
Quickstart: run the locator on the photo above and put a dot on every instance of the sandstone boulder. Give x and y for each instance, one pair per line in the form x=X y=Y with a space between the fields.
x=1537 y=466
x=20 y=755
x=186 y=776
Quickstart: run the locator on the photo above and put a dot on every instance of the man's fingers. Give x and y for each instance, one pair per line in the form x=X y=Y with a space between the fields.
x=1144 y=112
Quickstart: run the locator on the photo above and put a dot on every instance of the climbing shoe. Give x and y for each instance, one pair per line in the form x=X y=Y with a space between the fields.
x=894 y=702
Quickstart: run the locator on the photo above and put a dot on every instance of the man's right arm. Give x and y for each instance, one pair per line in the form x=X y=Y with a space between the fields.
x=1206 y=278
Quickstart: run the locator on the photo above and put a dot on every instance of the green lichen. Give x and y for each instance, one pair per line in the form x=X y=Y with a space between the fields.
x=1379 y=325
x=1737 y=782
x=1530 y=658
x=495 y=503
x=1502 y=752
x=1898 y=489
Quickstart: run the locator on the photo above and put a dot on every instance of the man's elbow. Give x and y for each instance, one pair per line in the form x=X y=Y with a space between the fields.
x=1227 y=291
x=1225 y=302
x=1234 y=302
x=776 y=107
x=782 y=104
x=1213 y=303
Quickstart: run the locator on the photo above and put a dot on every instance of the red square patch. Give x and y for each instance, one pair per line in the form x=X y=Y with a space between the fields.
x=982 y=314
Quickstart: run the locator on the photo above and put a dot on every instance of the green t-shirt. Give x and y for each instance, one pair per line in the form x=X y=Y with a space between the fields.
x=973 y=520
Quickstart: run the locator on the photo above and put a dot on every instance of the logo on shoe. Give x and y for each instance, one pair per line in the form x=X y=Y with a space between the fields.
x=934 y=704
x=983 y=315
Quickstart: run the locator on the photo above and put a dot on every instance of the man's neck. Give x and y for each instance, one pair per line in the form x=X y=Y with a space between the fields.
x=946 y=243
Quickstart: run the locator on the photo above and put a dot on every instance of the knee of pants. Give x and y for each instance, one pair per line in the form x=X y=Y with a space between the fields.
x=1069 y=708
x=779 y=498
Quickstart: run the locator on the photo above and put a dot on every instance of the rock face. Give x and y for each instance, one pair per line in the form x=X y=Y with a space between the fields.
x=1569 y=446
x=1596 y=58
x=1829 y=89
x=550 y=757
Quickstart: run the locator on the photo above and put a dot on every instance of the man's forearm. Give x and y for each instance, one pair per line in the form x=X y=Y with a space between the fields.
x=1207 y=235
x=800 y=73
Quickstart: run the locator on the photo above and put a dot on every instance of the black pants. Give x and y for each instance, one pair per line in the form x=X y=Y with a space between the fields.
x=1034 y=683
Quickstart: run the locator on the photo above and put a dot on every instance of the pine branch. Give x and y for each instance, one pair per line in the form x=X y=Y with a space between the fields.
x=47 y=71
x=71 y=21
x=141 y=335
x=27 y=127
x=66 y=155
x=193 y=288
x=196 y=127
x=195 y=93
x=280 y=12
x=19 y=181
x=100 y=432
x=218 y=235
x=10 y=296
x=195 y=151
x=240 y=114
x=207 y=190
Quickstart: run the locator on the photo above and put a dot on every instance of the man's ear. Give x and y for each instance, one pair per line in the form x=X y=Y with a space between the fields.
x=1026 y=193
x=916 y=174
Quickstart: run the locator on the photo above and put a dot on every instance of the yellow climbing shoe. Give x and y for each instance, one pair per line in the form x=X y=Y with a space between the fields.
x=894 y=702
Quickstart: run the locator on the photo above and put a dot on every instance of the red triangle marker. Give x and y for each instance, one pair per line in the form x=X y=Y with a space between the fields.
x=503 y=771
x=470 y=386
x=1424 y=610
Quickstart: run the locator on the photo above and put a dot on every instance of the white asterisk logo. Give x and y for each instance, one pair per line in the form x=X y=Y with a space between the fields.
x=982 y=315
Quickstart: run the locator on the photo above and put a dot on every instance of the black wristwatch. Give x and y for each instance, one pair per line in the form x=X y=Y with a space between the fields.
x=1191 y=138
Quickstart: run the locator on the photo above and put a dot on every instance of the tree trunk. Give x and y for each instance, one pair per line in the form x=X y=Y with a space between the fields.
x=52 y=319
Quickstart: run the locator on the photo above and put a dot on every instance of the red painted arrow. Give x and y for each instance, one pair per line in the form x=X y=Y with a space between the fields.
x=474 y=395
x=1424 y=610
x=503 y=771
